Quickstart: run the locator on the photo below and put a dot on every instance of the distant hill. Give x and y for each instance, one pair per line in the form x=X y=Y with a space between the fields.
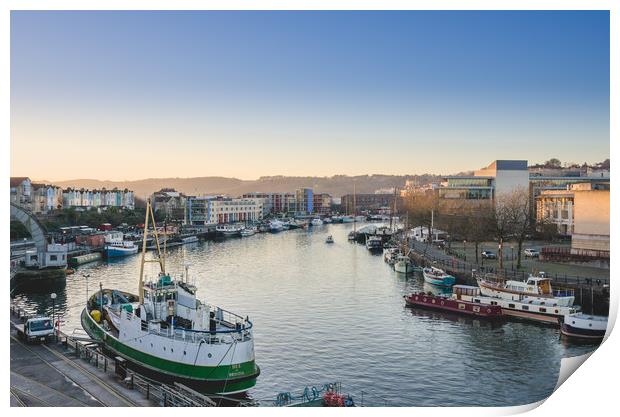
x=337 y=185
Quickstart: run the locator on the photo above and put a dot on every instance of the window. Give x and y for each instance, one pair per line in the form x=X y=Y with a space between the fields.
x=53 y=258
x=525 y=307
x=543 y=310
x=461 y=306
x=511 y=306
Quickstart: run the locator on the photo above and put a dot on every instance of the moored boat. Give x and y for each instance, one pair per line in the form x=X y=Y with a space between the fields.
x=535 y=287
x=276 y=226
x=248 y=231
x=189 y=239
x=119 y=248
x=528 y=309
x=229 y=230
x=403 y=265
x=455 y=303
x=316 y=222
x=438 y=276
x=329 y=239
x=374 y=243
x=167 y=331
x=583 y=326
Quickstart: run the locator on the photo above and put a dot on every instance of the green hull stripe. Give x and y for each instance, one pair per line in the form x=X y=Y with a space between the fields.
x=225 y=374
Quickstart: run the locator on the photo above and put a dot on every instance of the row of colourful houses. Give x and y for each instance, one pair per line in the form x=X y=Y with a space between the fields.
x=44 y=198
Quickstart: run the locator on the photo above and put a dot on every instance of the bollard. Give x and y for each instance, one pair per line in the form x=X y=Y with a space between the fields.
x=105 y=364
x=148 y=390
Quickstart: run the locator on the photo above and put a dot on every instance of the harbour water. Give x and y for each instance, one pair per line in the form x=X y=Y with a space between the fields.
x=335 y=312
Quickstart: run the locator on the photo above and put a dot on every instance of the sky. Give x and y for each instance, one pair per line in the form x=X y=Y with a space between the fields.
x=138 y=94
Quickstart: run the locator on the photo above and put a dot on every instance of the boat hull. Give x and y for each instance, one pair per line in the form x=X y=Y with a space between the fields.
x=582 y=334
x=403 y=268
x=445 y=281
x=114 y=252
x=223 y=379
x=454 y=306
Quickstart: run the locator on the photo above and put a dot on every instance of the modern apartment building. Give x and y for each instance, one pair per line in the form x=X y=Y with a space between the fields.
x=209 y=210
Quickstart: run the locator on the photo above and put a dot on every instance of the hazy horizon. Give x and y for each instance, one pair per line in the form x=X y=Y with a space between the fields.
x=243 y=94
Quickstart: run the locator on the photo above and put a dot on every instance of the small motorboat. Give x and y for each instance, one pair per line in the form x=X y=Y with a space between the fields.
x=352 y=236
x=438 y=276
x=582 y=326
x=329 y=239
x=248 y=231
x=403 y=265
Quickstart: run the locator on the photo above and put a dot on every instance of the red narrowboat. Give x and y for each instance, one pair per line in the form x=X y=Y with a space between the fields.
x=455 y=303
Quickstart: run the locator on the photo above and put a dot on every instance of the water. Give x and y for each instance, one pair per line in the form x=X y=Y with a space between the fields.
x=326 y=313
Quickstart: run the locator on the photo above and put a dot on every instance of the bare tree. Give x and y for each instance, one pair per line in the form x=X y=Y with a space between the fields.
x=513 y=218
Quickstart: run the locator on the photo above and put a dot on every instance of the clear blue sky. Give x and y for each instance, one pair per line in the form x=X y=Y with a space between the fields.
x=127 y=95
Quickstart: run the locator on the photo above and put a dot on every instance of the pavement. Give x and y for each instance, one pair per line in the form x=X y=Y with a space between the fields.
x=52 y=376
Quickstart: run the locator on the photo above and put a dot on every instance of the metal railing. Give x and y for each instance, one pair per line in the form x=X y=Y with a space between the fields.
x=459 y=266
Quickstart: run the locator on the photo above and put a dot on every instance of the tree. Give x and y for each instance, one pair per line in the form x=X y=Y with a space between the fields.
x=512 y=219
x=553 y=163
x=478 y=225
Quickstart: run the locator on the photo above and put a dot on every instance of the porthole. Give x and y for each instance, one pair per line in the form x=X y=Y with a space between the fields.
x=171 y=350
x=164 y=348
x=209 y=355
x=184 y=353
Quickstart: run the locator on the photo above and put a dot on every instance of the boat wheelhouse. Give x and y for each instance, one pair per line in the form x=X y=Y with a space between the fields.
x=167 y=331
x=535 y=287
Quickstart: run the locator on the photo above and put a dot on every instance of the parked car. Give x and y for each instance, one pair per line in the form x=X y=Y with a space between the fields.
x=487 y=254
x=531 y=253
x=439 y=243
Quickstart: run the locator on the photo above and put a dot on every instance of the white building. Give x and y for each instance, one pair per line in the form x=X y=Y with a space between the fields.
x=220 y=210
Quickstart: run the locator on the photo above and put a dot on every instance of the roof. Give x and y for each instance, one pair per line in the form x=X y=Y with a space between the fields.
x=15 y=181
x=510 y=165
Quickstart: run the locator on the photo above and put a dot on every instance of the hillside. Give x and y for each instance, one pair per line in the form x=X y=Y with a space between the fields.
x=337 y=185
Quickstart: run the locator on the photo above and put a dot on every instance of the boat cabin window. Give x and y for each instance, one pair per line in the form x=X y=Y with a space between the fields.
x=543 y=310
x=511 y=306
x=525 y=307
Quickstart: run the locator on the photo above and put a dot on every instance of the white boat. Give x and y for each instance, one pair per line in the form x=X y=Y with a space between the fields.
x=538 y=288
x=374 y=243
x=390 y=255
x=248 y=231
x=529 y=309
x=438 y=276
x=166 y=329
x=229 y=230
x=360 y=219
x=276 y=226
x=316 y=222
x=189 y=239
x=116 y=247
x=329 y=239
x=403 y=265
x=584 y=326
x=327 y=220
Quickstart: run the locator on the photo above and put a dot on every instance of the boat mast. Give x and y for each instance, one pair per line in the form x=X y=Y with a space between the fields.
x=143 y=260
x=354 y=209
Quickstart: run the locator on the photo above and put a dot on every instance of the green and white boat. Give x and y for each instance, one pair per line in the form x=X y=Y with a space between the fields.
x=167 y=331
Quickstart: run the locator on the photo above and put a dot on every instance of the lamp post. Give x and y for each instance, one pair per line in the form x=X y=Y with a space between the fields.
x=464 y=250
x=512 y=256
x=53 y=296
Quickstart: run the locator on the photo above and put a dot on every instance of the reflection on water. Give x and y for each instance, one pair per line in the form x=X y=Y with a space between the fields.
x=333 y=312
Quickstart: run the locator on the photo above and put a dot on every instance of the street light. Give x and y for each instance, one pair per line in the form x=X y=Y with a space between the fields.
x=53 y=295
x=512 y=256
x=464 y=251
